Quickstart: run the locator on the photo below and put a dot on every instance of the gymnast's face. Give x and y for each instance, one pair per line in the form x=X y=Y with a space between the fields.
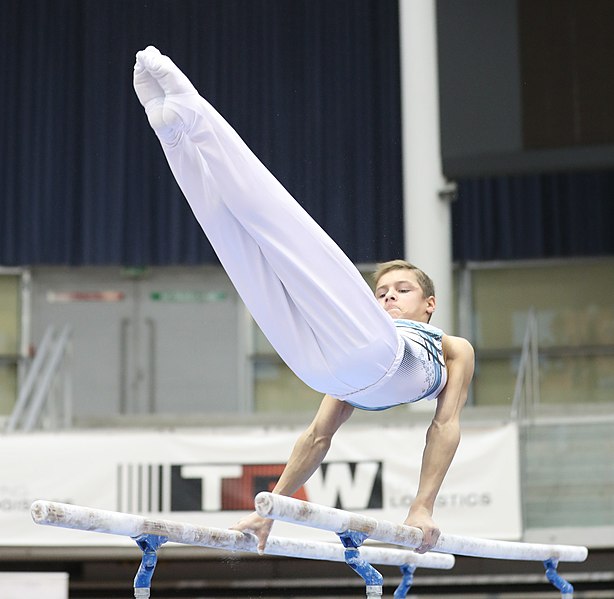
x=400 y=294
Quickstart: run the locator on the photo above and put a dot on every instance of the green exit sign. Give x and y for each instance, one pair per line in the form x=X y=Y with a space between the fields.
x=188 y=297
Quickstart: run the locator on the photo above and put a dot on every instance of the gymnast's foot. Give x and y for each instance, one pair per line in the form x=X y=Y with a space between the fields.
x=156 y=79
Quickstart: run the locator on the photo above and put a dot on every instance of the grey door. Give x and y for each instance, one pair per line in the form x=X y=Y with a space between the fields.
x=163 y=341
x=190 y=350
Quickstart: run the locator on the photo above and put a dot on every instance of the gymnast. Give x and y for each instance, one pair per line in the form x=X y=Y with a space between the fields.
x=360 y=350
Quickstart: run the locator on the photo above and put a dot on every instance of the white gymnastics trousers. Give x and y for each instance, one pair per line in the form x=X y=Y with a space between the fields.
x=305 y=294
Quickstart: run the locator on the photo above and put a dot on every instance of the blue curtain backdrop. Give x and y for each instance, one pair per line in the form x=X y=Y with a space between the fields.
x=550 y=215
x=311 y=85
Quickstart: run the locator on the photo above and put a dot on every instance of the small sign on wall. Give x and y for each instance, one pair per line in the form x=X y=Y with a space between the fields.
x=65 y=297
x=188 y=297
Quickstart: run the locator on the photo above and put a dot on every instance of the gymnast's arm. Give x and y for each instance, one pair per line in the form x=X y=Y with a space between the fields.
x=309 y=451
x=442 y=438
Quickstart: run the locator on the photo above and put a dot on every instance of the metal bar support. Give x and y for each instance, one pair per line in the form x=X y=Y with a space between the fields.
x=408 y=579
x=557 y=580
x=149 y=545
x=352 y=540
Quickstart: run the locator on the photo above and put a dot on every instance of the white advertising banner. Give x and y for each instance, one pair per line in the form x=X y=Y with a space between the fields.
x=209 y=477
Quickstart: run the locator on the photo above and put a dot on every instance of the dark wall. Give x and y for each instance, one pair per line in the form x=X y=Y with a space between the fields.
x=526 y=86
x=527 y=128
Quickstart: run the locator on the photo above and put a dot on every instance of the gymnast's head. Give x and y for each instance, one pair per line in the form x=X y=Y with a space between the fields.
x=404 y=291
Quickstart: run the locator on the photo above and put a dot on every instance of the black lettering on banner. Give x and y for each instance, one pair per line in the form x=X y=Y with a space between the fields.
x=186 y=493
x=213 y=487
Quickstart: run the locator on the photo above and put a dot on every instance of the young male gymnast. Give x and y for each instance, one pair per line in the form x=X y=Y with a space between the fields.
x=307 y=297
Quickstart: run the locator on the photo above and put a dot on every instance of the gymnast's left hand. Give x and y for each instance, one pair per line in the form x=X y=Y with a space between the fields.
x=257 y=525
x=421 y=518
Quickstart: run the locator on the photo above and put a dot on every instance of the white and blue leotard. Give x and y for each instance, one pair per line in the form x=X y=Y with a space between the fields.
x=419 y=371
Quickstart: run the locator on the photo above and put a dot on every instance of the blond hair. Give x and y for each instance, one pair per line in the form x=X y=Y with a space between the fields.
x=425 y=282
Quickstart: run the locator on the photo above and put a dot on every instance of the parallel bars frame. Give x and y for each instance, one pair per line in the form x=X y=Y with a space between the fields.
x=289 y=509
x=351 y=528
x=76 y=517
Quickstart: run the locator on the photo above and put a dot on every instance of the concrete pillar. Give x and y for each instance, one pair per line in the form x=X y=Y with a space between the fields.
x=428 y=240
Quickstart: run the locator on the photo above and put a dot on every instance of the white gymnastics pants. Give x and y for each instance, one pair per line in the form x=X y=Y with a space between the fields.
x=302 y=290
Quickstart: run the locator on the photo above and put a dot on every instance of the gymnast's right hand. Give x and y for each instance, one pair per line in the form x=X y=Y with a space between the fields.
x=156 y=79
x=257 y=525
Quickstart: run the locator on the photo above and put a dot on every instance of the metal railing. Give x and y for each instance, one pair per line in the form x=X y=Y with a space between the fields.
x=45 y=397
x=527 y=389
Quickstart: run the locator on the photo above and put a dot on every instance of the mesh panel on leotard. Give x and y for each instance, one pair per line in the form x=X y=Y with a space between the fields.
x=422 y=364
x=421 y=372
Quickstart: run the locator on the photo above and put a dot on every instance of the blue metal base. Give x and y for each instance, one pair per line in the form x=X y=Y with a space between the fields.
x=556 y=579
x=352 y=540
x=149 y=545
x=406 y=581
